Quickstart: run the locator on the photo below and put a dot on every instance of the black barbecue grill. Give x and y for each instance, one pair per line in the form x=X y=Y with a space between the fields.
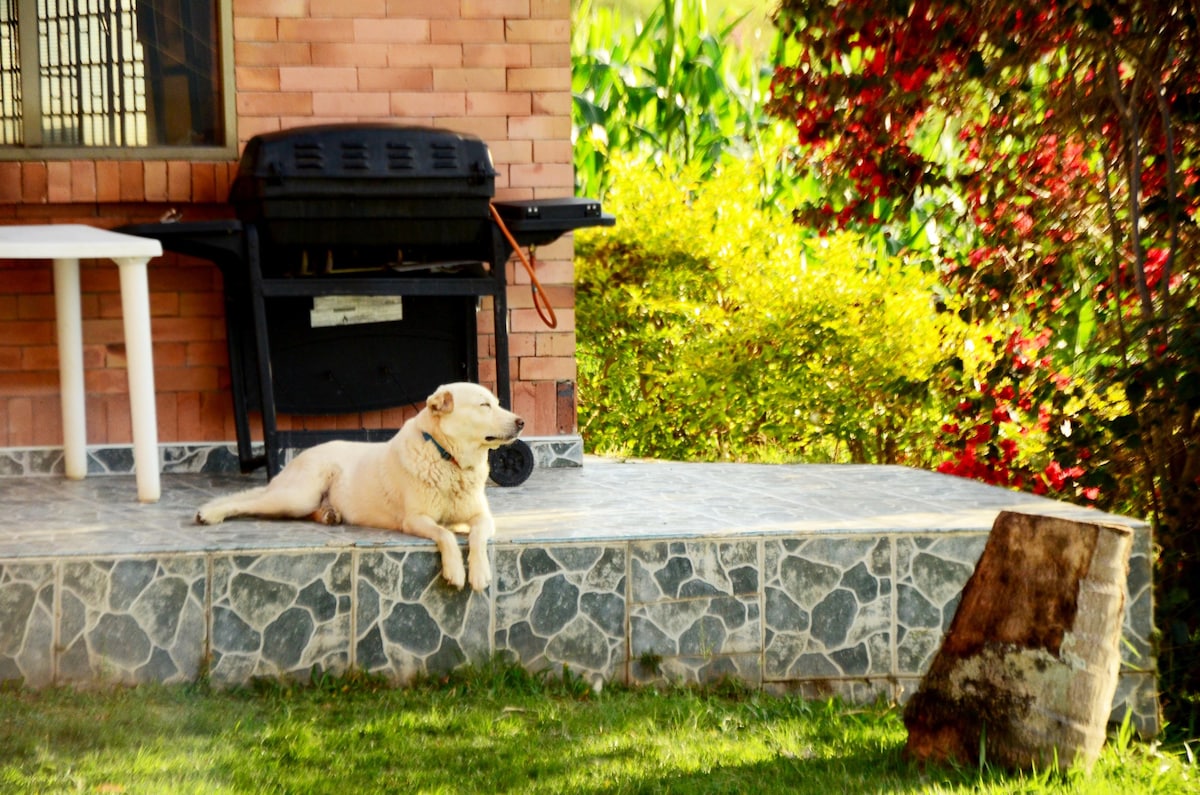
x=353 y=274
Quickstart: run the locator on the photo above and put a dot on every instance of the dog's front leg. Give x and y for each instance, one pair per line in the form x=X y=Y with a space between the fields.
x=452 y=563
x=482 y=529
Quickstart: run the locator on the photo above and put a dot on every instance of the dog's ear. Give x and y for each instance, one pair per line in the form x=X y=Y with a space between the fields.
x=441 y=402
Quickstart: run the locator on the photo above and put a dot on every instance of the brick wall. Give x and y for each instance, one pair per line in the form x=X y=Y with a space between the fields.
x=499 y=69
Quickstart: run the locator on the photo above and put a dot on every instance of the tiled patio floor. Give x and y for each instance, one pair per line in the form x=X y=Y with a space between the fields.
x=822 y=579
x=603 y=500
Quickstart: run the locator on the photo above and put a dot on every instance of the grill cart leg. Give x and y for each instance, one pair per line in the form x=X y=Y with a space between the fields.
x=500 y=254
x=263 y=345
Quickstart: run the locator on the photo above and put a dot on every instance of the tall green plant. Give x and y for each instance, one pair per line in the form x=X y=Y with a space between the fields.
x=676 y=85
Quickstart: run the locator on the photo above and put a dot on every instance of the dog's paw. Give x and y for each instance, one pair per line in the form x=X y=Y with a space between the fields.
x=481 y=575
x=453 y=571
x=327 y=514
x=205 y=517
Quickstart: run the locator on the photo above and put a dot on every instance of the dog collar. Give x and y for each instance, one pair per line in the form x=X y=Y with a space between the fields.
x=446 y=456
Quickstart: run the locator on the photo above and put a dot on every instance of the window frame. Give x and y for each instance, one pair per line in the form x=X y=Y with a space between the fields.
x=28 y=40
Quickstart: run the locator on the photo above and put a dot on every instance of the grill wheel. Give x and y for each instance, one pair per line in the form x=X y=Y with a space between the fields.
x=512 y=464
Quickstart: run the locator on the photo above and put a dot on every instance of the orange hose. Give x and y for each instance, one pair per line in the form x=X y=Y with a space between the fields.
x=540 y=299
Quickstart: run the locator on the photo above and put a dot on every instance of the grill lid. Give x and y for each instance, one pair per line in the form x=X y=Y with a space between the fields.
x=363 y=160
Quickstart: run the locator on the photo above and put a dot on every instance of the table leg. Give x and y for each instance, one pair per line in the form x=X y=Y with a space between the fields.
x=69 y=317
x=135 y=307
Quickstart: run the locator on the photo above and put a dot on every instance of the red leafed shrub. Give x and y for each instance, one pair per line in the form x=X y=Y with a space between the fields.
x=1055 y=146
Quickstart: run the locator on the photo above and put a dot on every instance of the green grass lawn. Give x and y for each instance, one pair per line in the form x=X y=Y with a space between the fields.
x=497 y=730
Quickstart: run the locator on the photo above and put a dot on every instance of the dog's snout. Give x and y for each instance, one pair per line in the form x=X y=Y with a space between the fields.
x=519 y=423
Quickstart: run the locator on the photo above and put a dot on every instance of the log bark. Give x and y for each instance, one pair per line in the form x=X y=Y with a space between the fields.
x=1026 y=674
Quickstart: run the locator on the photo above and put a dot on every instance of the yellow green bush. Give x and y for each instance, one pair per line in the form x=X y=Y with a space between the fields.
x=710 y=329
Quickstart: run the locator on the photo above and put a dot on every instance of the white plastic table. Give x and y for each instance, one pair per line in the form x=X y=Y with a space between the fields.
x=65 y=245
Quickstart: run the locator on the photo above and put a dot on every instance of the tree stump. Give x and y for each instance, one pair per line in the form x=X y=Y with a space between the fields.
x=1027 y=671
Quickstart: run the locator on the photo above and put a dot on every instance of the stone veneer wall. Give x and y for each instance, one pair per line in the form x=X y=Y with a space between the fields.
x=854 y=615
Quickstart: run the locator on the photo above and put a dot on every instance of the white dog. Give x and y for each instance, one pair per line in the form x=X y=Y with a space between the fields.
x=428 y=480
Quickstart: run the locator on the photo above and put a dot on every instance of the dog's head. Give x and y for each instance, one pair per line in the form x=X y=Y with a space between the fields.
x=469 y=416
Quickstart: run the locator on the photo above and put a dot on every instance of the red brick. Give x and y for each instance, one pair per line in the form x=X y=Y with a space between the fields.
x=272 y=8
x=58 y=181
x=528 y=320
x=541 y=174
x=274 y=103
x=540 y=79
x=252 y=126
x=392 y=79
x=119 y=423
x=468 y=80
x=466 y=31
x=496 y=55
x=255 y=28
x=179 y=180
x=108 y=181
x=560 y=273
x=314 y=30
x=487 y=371
x=83 y=180
x=46 y=414
x=10 y=181
x=553 y=152
x=33 y=183
x=557 y=343
x=422 y=9
x=358 y=9
x=547 y=368
x=98 y=276
x=273 y=54
x=497 y=103
x=493 y=9
x=341 y=53
x=169 y=354
x=204 y=183
x=522 y=345
x=508 y=152
x=166 y=415
x=187 y=417
x=203 y=305
x=430 y=56
x=214 y=353
x=155 y=181
x=550 y=9
x=361 y=104
x=133 y=188
x=416 y=104
x=185 y=379
x=180 y=329
x=489 y=128
x=537 y=406
x=552 y=103
x=392 y=31
x=537 y=30
x=39 y=357
x=558 y=54
x=540 y=127
x=286 y=122
x=20 y=422
x=258 y=78
x=24 y=383
x=189 y=276
x=318 y=78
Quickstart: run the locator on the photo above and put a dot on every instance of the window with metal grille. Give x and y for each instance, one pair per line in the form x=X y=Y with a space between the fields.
x=110 y=73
